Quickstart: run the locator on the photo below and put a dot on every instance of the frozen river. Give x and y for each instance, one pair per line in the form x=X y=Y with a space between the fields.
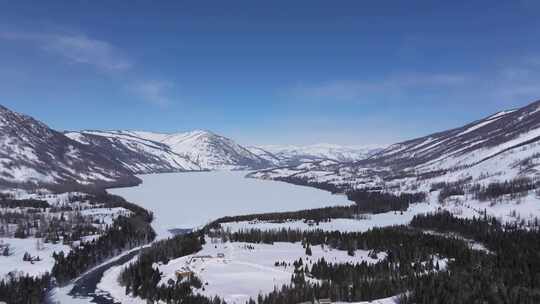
x=188 y=200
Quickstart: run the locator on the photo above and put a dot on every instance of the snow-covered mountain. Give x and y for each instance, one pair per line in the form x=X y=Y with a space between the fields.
x=296 y=155
x=499 y=147
x=147 y=152
x=32 y=154
x=138 y=154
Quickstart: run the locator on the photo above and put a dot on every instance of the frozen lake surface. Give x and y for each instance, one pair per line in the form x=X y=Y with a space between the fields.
x=188 y=200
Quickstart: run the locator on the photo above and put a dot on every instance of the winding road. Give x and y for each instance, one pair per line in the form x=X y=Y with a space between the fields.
x=86 y=285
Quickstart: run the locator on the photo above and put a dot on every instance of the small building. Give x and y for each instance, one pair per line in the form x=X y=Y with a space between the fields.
x=184 y=273
x=310 y=222
x=221 y=255
x=325 y=301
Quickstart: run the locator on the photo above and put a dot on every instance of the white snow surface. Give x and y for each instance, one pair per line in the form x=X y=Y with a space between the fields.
x=18 y=247
x=189 y=200
x=244 y=273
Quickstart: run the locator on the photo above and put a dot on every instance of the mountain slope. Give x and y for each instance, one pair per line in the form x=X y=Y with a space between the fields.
x=147 y=152
x=32 y=154
x=212 y=151
x=137 y=154
x=295 y=155
x=499 y=147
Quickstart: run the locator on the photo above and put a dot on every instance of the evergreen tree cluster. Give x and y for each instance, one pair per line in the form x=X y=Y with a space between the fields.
x=24 y=290
x=514 y=187
x=511 y=274
x=125 y=233
x=508 y=273
x=6 y=202
x=365 y=202
x=410 y=254
x=380 y=202
x=316 y=215
x=141 y=278
x=302 y=181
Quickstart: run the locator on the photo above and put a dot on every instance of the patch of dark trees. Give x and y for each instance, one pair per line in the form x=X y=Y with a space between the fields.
x=365 y=202
x=379 y=202
x=301 y=181
x=515 y=188
x=96 y=187
x=410 y=254
x=509 y=274
x=317 y=215
x=23 y=203
x=141 y=278
x=114 y=201
x=368 y=200
x=125 y=233
x=24 y=290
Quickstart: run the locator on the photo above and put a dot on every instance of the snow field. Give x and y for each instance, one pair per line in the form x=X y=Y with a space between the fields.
x=246 y=272
x=18 y=247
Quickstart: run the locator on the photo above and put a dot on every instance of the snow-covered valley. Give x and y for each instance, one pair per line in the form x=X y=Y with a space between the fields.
x=189 y=200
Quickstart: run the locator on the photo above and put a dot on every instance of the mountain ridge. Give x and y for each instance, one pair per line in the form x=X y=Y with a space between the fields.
x=34 y=155
x=502 y=146
x=191 y=151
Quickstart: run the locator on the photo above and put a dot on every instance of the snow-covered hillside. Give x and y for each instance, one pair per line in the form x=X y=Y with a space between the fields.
x=147 y=152
x=31 y=153
x=244 y=271
x=212 y=151
x=499 y=147
x=138 y=154
x=295 y=155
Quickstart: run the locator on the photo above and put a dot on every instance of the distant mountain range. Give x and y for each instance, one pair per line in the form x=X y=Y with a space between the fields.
x=146 y=152
x=34 y=155
x=296 y=155
x=500 y=147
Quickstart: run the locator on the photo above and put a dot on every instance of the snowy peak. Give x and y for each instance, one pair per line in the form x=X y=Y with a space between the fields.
x=148 y=152
x=212 y=151
x=137 y=154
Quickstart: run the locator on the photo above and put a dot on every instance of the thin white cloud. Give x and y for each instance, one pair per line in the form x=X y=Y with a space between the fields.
x=76 y=48
x=518 y=81
x=153 y=91
x=366 y=90
x=100 y=54
x=81 y=49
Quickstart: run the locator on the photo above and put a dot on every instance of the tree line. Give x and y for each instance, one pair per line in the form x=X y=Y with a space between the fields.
x=365 y=202
x=515 y=187
x=24 y=290
x=141 y=279
x=125 y=233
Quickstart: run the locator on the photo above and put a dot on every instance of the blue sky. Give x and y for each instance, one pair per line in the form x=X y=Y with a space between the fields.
x=273 y=72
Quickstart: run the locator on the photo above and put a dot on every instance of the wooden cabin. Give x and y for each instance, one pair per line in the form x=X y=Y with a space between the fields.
x=184 y=273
